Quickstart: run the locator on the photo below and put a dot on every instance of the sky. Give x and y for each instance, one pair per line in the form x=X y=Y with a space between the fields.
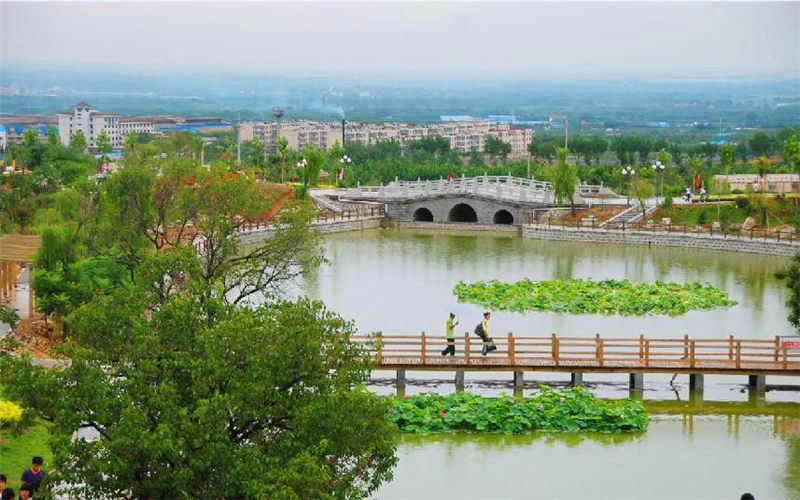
x=412 y=39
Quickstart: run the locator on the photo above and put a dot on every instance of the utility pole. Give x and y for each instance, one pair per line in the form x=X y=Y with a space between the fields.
x=344 y=124
x=238 y=139
x=566 y=132
x=277 y=113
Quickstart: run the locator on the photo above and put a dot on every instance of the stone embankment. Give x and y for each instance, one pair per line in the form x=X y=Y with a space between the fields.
x=649 y=238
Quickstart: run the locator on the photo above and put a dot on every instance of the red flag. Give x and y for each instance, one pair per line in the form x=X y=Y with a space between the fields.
x=697 y=181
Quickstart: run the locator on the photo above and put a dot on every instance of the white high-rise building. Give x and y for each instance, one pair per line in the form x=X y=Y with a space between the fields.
x=90 y=122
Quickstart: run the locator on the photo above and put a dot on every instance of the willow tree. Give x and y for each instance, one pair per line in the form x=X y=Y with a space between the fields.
x=565 y=179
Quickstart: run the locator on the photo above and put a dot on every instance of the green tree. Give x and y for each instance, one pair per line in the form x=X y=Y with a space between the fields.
x=760 y=144
x=282 y=147
x=313 y=159
x=77 y=142
x=52 y=136
x=643 y=191
x=791 y=152
x=565 y=177
x=726 y=154
x=792 y=277
x=494 y=146
x=103 y=143
x=762 y=167
x=189 y=394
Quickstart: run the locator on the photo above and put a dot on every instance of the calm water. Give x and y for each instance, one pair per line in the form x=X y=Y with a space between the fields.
x=401 y=282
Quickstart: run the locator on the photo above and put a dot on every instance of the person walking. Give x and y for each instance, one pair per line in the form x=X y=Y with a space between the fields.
x=688 y=195
x=449 y=332
x=482 y=331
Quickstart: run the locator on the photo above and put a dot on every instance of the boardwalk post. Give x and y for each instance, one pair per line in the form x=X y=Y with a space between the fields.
x=757 y=384
x=576 y=379
x=738 y=354
x=696 y=382
x=380 y=348
x=599 y=349
x=519 y=379
x=459 y=380
x=401 y=378
x=777 y=347
x=641 y=348
x=730 y=348
x=636 y=381
x=511 y=357
x=785 y=357
x=555 y=349
x=466 y=346
x=691 y=354
x=647 y=352
x=424 y=348
x=686 y=346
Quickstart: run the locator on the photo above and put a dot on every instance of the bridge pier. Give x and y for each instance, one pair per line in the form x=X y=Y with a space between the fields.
x=576 y=379
x=459 y=380
x=401 y=378
x=519 y=379
x=636 y=381
x=757 y=384
x=696 y=382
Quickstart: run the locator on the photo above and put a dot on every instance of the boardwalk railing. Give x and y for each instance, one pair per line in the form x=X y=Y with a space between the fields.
x=760 y=233
x=587 y=354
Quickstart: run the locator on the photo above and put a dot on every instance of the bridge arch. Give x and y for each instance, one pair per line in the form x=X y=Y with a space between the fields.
x=503 y=217
x=462 y=213
x=423 y=214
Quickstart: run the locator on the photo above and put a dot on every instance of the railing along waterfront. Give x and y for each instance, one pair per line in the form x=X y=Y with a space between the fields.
x=588 y=354
x=753 y=233
x=322 y=217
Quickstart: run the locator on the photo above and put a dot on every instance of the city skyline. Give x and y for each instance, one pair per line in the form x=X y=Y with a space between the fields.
x=408 y=40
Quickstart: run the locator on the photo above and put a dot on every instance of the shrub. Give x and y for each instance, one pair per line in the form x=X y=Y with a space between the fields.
x=9 y=315
x=725 y=215
x=667 y=203
x=10 y=414
x=737 y=191
x=742 y=202
x=702 y=217
x=571 y=410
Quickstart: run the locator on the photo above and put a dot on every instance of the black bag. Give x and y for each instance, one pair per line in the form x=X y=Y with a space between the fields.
x=479 y=330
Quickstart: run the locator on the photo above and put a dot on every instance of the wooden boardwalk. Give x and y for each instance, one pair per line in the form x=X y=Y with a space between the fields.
x=731 y=355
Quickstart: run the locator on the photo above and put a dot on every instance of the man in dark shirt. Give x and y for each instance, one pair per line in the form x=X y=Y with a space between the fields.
x=3 y=485
x=33 y=477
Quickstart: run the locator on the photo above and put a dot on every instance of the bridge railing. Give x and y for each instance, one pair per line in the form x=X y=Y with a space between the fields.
x=376 y=210
x=728 y=354
x=505 y=187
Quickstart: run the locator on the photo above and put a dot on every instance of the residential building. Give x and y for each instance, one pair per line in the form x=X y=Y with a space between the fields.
x=464 y=137
x=13 y=126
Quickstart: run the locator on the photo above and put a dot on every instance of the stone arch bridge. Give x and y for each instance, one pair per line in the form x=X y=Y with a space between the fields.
x=481 y=200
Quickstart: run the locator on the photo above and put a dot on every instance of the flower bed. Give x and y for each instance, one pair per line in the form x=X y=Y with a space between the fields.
x=577 y=296
x=572 y=410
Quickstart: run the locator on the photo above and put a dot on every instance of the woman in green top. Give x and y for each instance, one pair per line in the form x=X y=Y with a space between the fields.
x=449 y=331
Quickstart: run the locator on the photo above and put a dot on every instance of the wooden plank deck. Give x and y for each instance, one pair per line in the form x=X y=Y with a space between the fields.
x=778 y=356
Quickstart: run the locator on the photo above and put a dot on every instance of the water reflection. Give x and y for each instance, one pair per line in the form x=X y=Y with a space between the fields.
x=401 y=281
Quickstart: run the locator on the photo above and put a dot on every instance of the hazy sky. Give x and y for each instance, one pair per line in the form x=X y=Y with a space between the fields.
x=514 y=39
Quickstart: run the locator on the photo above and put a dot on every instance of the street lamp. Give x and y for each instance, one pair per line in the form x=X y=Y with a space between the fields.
x=659 y=167
x=630 y=172
x=344 y=160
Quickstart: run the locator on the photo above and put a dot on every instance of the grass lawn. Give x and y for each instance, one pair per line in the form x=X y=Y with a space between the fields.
x=16 y=452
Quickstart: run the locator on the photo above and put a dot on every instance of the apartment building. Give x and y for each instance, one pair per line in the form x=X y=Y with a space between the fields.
x=12 y=127
x=136 y=126
x=464 y=137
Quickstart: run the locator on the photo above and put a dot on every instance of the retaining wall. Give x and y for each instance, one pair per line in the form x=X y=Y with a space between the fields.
x=688 y=240
x=458 y=226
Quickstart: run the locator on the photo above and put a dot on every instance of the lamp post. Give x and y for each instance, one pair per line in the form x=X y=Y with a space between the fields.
x=629 y=172
x=344 y=160
x=659 y=167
